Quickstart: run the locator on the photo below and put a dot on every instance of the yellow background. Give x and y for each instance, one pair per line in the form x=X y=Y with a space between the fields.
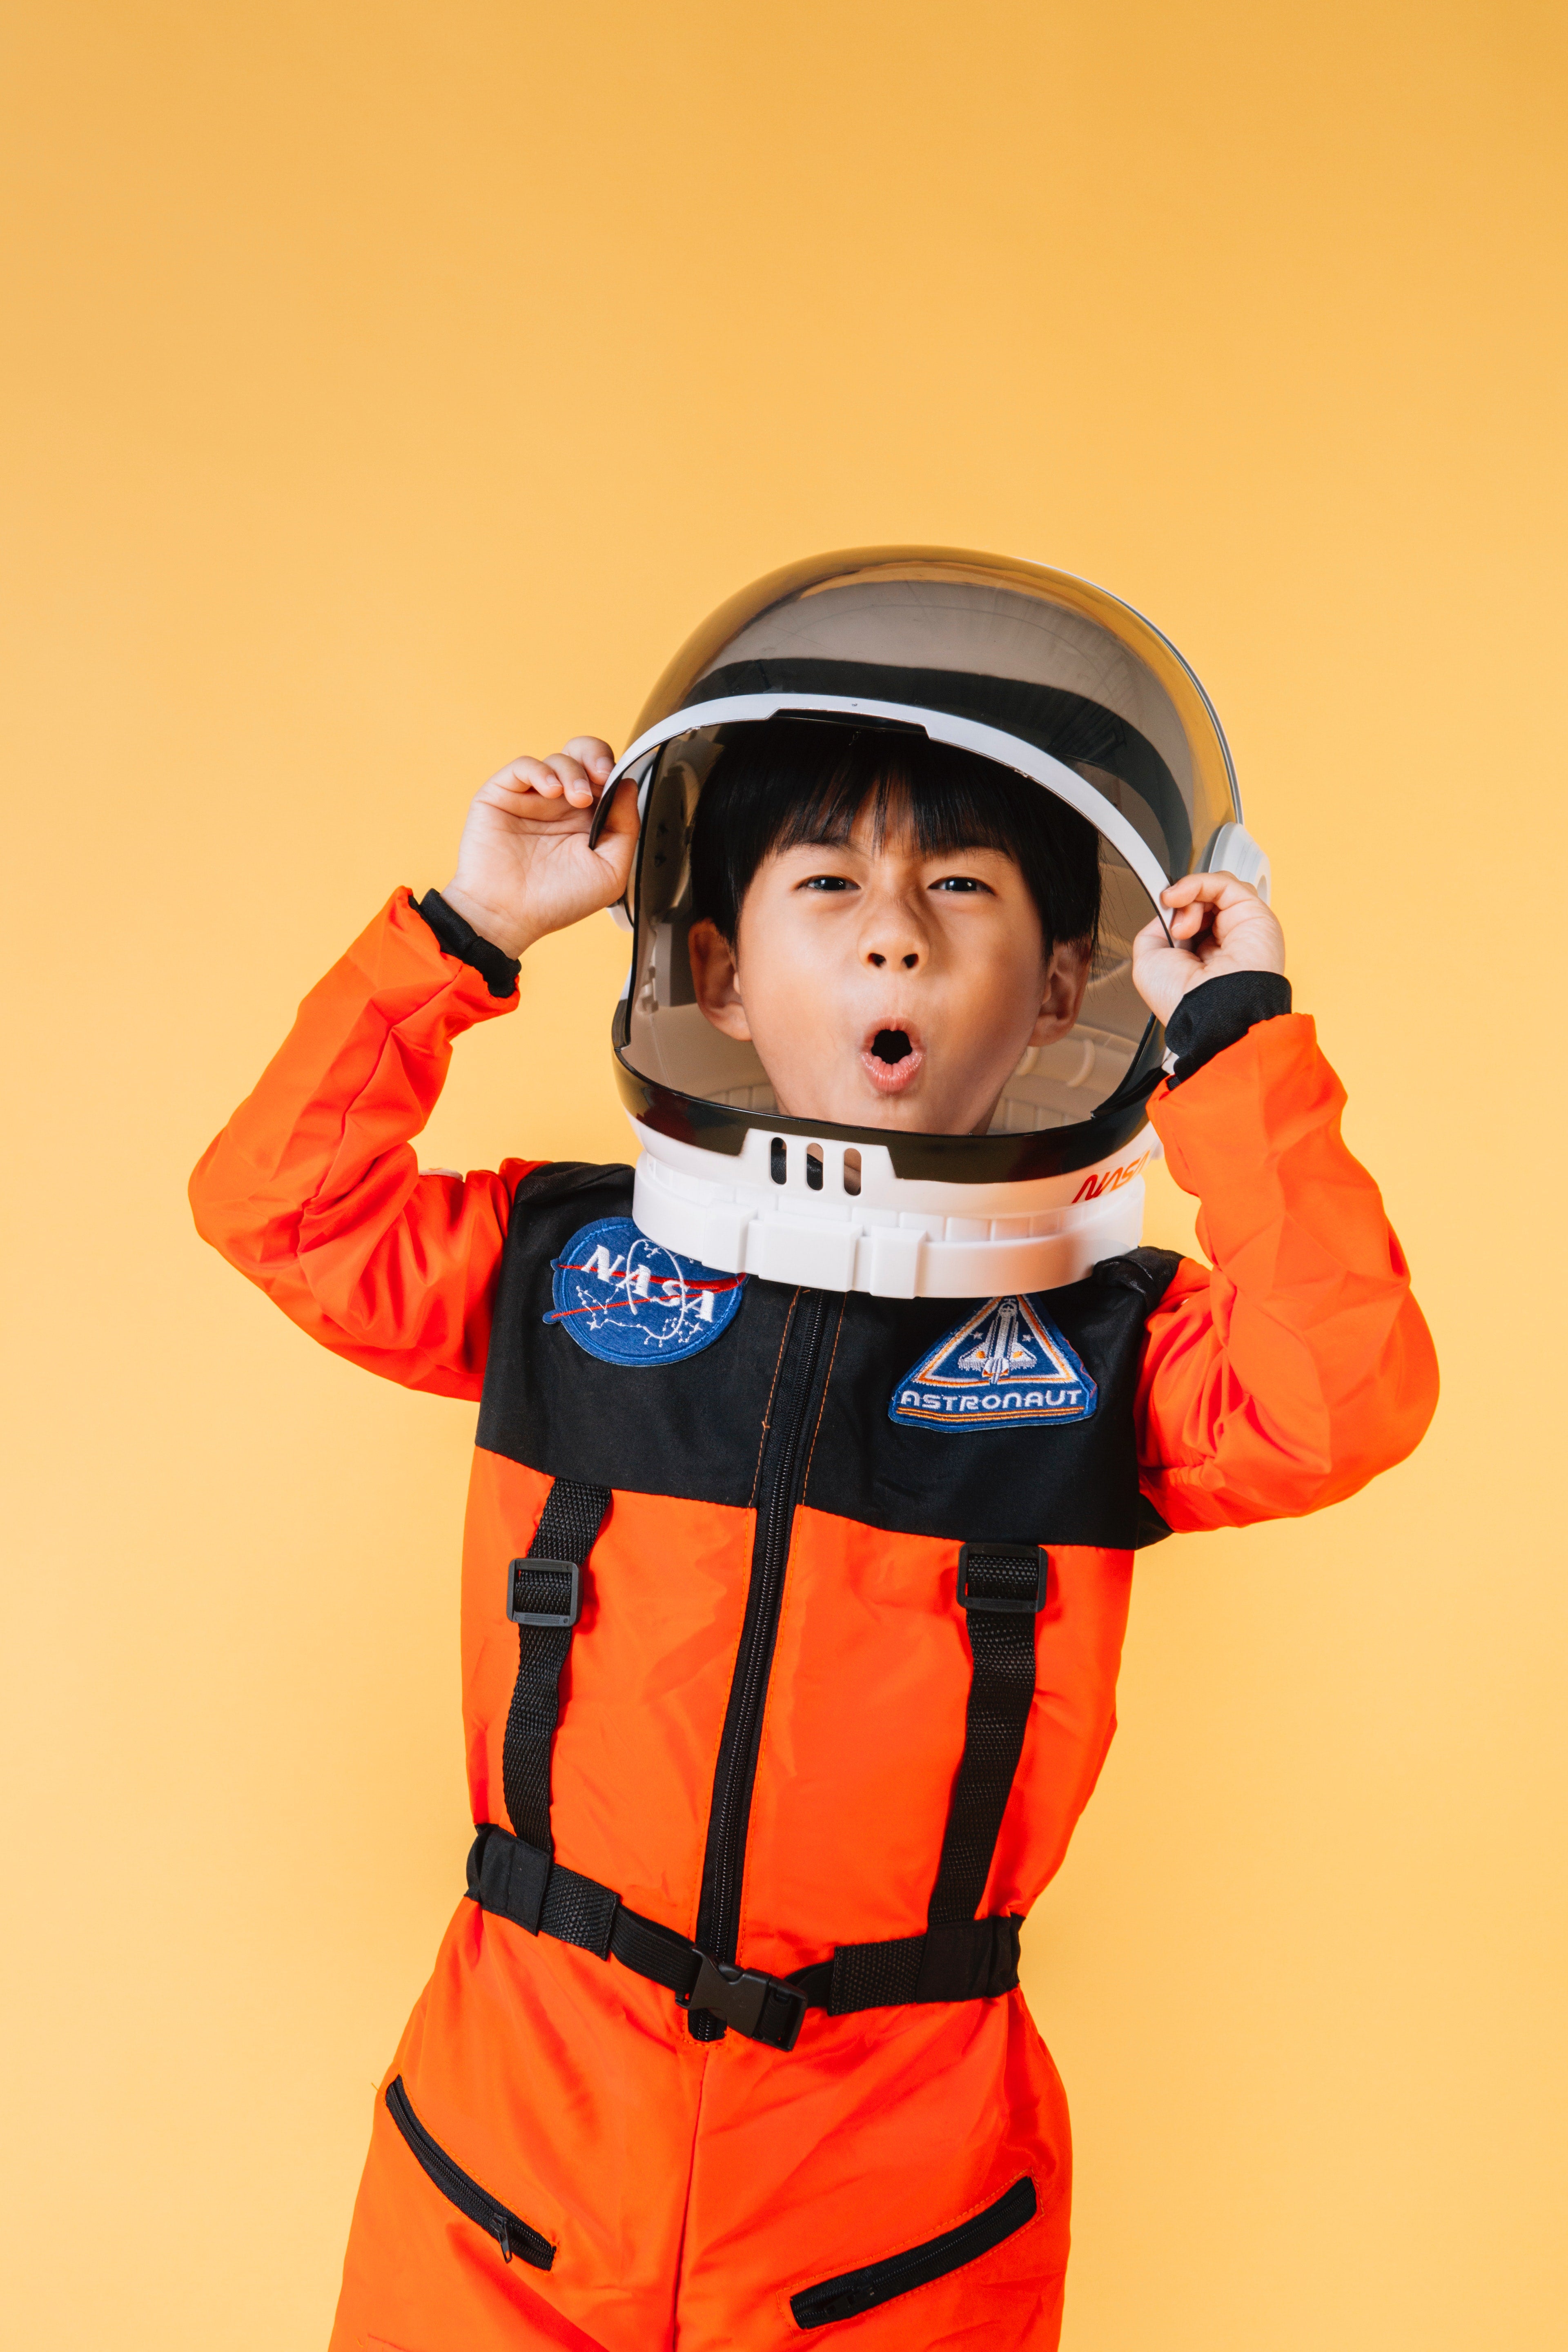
x=390 y=388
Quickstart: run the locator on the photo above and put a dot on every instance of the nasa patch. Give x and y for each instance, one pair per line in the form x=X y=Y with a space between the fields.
x=627 y=1301
x=1005 y=1367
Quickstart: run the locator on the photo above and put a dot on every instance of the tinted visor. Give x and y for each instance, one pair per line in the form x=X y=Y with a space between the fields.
x=1054 y=663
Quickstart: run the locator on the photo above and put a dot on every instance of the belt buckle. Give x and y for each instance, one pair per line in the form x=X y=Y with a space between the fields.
x=762 y=2008
x=568 y=1568
x=1025 y=1605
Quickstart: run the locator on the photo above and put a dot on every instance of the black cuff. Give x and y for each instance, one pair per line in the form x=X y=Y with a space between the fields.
x=499 y=971
x=1219 y=1012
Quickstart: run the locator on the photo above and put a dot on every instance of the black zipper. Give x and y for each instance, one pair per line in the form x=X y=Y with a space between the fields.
x=855 y=2290
x=781 y=1480
x=513 y=2236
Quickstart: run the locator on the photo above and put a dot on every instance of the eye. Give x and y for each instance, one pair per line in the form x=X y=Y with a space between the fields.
x=966 y=882
x=827 y=882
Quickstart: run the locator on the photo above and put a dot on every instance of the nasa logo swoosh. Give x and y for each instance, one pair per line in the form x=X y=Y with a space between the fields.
x=628 y=1301
x=1004 y=1368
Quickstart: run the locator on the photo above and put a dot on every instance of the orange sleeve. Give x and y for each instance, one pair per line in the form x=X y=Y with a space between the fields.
x=1299 y=1366
x=313 y=1190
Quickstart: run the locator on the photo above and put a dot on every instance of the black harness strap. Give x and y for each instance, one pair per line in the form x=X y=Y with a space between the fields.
x=1002 y=1590
x=544 y=1598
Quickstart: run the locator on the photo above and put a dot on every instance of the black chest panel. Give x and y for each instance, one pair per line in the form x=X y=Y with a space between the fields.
x=693 y=1428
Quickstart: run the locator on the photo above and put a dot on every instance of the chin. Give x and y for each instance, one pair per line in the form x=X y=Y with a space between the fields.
x=894 y=1110
x=860 y=1106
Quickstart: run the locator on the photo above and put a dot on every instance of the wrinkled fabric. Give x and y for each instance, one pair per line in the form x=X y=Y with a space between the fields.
x=690 y=2190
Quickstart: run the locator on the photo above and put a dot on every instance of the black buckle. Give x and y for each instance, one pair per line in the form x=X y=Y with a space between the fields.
x=764 y=2009
x=566 y=1568
x=1020 y=1605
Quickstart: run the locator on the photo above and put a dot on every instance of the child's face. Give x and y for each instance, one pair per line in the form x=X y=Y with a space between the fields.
x=935 y=959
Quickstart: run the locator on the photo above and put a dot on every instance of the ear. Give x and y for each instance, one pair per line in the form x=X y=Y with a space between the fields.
x=716 y=980
x=1066 y=977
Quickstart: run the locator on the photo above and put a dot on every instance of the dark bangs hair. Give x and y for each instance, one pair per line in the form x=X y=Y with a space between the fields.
x=786 y=781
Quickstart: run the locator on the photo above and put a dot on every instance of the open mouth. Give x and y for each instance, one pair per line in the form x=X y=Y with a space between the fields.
x=891 y=1058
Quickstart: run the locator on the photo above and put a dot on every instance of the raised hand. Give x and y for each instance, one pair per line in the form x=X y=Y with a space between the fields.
x=1218 y=925
x=524 y=866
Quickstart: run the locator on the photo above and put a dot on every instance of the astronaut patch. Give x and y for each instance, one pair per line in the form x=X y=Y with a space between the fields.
x=1004 y=1368
x=627 y=1301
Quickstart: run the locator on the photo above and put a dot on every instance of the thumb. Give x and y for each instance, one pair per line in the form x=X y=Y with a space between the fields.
x=1160 y=970
x=1152 y=940
x=618 y=841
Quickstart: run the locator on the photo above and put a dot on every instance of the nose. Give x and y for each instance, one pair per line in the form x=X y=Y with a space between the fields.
x=893 y=935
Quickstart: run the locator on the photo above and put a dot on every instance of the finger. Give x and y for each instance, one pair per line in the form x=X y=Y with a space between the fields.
x=1189 y=921
x=595 y=754
x=576 y=782
x=1181 y=909
x=525 y=775
x=1220 y=889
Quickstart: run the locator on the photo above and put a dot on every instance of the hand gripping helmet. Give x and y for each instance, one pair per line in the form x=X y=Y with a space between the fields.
x=1045 y=675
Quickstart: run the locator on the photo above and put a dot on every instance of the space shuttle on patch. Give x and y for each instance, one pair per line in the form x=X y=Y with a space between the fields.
x=1006 y=1364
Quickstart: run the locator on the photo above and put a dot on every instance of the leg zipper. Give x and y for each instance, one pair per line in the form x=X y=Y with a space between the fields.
x=513 y=2236
x=855 y=2290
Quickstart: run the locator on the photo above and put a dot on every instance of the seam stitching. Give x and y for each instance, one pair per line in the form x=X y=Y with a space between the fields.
x=768 y=1408
x=822 y=1408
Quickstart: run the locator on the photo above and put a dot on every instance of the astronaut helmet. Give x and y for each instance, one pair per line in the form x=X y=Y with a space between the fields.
x=1041 y=674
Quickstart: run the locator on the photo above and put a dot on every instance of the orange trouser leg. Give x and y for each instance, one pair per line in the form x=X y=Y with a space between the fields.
x=894 y=2127
x=420 y=2278
x=690 y=2190
x=568 y=2088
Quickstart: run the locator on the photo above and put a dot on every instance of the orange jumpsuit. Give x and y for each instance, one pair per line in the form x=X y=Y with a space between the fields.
x=767 y=1693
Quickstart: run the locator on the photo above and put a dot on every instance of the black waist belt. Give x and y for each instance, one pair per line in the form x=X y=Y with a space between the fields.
x=973 y=1959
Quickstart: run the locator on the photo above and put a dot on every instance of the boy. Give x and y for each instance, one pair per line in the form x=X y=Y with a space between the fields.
x=725 y=2044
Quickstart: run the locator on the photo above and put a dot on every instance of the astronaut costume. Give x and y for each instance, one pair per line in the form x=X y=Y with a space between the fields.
x=811 y=1464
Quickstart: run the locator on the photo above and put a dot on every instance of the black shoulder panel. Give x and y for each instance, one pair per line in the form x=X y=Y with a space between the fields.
x=1074 y=1482
x=693 y=1428
x=1150 y=1272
